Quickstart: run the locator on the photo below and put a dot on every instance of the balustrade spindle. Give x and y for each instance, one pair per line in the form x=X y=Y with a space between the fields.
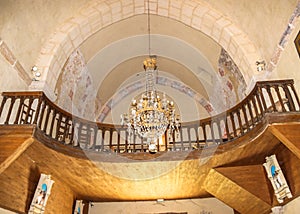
x=111 y=132
x=296 y=97
x=142 y=144
x=220 y=139
x=245 y=117
x=87 y=138
x=76 y=133
x=254 y=104
x=72 y=134
x=233 y=124
x=134 y=143
x=289 y=97
x=250 y=109
x=204 y=134
x=166 y=139
x=30 y=101
x=260 y=105
x=17 y=119
x=65 y=129
x=37 y=113
x=174 y=141
x=181 y=138
x=197 y=137
x=189 y=137
x=52 y=125
x=261 y=96
x=212 y=133
x=228 y=135
x=43 y=104
x=95 y=131
x=126 y=141
x=12 y=102
x=46 y=119
x=79 y=129
x=119 y=141
x=2 y=105
x=280 y=98
x=241 y=126
x=271 y=98
x=102 y=146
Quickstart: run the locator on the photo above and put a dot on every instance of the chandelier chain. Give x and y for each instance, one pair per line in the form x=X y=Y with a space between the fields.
x=149 y=32
x=151 y=115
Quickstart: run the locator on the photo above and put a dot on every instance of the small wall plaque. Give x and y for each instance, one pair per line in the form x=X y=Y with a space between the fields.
x=41 y=195
x=277 y=178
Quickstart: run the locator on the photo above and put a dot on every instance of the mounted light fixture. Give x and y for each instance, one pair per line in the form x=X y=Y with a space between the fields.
x=36 y=73
x=261 y=65
x=150 y=116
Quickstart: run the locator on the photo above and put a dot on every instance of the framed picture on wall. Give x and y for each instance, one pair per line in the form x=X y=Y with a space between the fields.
x=297 y=43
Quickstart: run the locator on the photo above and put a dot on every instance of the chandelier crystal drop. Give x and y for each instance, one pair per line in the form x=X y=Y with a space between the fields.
x=150 y=116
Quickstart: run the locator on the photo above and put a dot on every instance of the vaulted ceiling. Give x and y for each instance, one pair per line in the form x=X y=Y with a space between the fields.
x=189 y=37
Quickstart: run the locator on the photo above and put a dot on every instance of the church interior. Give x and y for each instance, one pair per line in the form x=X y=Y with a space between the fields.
x=150 y=106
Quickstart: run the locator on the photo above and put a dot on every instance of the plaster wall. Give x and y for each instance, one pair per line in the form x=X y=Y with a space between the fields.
x=191 y=206
x=289 y=64
x=292 y=207
x=3 y=211
x=263 y=21
x=9 y=78
x=25 y=25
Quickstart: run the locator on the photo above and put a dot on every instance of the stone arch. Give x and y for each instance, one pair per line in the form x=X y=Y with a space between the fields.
x=97 y=15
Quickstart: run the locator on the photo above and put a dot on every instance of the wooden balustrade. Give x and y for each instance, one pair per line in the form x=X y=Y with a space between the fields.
x=61 y=126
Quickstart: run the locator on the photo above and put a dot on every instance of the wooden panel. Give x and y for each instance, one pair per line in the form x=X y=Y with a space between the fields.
x=289 y=135
x=18 y=183
x=61 y=199
x=251 y=178
x=234 y=195
x=13 y=143
x=290 y=165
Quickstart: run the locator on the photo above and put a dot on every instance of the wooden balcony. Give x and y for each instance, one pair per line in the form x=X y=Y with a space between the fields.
x=218 y=157
x=65 y=128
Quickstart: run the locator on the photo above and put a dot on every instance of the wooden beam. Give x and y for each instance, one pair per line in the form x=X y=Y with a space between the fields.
x=243 y=188
x=13 y=142
x=251 y=178
x=289 y=135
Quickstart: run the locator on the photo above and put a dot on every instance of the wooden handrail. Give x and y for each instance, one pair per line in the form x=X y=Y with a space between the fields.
x=59 y=125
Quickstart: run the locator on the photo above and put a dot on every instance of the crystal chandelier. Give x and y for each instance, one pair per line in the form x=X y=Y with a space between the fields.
x=150 y=116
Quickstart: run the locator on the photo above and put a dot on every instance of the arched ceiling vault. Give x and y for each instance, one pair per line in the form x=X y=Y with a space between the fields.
x=190 y=21
x=131 y=69
x=187 y=58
